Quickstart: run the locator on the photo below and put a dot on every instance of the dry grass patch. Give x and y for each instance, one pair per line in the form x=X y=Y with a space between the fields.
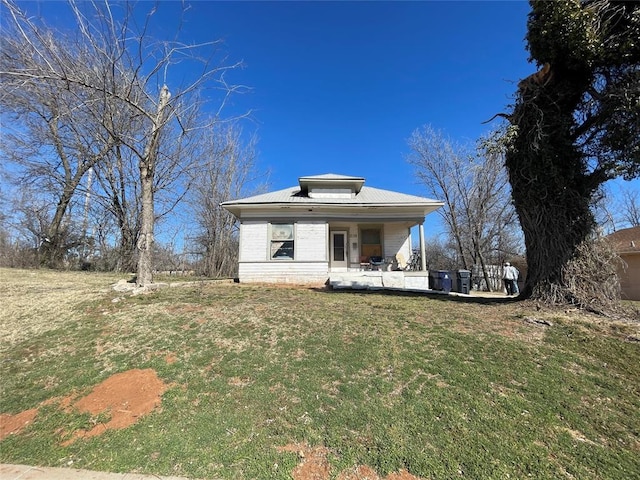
x=37 y=301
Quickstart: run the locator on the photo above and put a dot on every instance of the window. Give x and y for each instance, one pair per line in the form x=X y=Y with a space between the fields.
x=370 y=244
x=281 y=241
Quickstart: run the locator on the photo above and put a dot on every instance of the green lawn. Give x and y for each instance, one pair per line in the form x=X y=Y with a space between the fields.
x=440 y=387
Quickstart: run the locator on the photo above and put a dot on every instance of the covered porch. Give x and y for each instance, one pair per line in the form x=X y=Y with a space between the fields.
x=386 y=245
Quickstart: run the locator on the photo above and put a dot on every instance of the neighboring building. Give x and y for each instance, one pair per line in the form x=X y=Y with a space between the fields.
x=627 y=244
x=327 y=224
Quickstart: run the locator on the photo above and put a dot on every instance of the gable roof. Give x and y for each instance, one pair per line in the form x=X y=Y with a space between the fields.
x=626 y=240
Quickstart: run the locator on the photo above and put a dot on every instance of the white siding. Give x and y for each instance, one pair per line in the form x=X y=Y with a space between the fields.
x=354 y=246
x=311 y=242
x=253 y=241
x=310 y=245
x=283 y=272
x=396 y=240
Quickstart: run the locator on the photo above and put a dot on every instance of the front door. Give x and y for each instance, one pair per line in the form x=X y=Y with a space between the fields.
x=339 y=250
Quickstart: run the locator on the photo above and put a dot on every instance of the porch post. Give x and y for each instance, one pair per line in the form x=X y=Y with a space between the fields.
x=423 y=257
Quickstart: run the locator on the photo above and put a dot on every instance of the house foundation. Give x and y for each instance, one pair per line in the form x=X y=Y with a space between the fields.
x=379 y=280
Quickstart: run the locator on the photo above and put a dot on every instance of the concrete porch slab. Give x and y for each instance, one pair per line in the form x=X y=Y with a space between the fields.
x=377 y=280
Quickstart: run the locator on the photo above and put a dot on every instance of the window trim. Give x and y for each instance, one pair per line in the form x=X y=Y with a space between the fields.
x=290 y=238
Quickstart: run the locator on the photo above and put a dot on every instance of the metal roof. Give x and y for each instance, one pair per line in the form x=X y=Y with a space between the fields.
x=366 y=197
x=333 y=195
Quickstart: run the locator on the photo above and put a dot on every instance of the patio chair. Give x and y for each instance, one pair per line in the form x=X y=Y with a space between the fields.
x=364 y=263
x=400 y=260
x=376 y=262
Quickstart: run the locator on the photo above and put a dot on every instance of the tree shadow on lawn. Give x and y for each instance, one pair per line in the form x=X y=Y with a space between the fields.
x=482 y=298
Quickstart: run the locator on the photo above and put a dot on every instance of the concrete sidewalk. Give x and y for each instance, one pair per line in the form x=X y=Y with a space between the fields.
x=25 y=472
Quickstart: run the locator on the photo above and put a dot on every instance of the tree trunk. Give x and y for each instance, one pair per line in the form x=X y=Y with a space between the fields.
x=552 y=188
x=485 y=272
x=457 y=235
x=146 y=240
x=552 y=234
x=127 y=251
x=51 y=252
x=54 y=246
x=147 y=172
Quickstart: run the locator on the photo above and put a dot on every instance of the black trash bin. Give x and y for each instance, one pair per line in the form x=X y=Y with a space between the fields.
x=434 y=281
x=464 y=281
x=435 y=278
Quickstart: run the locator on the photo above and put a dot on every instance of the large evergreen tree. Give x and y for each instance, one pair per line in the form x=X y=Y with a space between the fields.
x=575 y=124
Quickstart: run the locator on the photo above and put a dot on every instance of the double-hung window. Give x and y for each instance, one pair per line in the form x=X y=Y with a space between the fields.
x=282 y=241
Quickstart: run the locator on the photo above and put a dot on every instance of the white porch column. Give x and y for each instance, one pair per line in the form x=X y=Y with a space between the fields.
x=423 y=255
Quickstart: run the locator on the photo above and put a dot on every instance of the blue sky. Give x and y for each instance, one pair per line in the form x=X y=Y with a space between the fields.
x=338 y=87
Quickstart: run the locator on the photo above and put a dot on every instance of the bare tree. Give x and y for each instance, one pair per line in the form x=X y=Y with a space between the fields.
x=478 y=213
x=120 y=79
x=613 y=211
x=49 y=136
x=439 y=167
x=117 y=192
x=630 y=207
x=30 y=220
x=15 y=251
x=230 y=172
x=441 y=255
x=604 y=210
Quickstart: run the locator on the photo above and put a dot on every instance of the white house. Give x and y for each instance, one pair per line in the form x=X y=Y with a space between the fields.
x=328 y=224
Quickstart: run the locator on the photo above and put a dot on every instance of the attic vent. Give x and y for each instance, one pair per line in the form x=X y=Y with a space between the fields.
x=330 y=192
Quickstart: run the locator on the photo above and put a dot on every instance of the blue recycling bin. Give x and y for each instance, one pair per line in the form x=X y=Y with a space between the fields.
x=446 y=282
x=441 y=280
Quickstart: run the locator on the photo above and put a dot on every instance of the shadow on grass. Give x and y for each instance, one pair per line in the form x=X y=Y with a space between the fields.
x=433 y=295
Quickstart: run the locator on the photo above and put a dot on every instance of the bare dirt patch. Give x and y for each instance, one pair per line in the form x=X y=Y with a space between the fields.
x=121 y=400
x=315 y=466
x=125 y=397
x=11 y=424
